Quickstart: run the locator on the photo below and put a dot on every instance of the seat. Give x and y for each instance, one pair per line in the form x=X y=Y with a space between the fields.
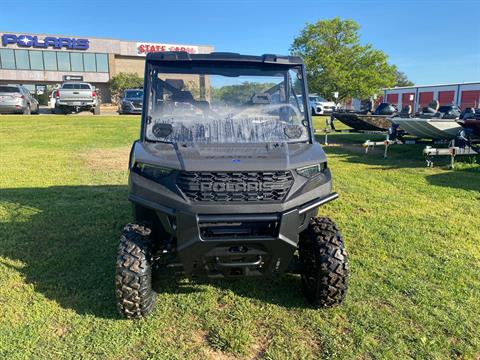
x=183 y=97
x=406 y=111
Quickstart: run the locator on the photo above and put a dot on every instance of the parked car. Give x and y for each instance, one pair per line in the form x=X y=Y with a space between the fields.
x=16 y=99
x=52 y=99
x=75 y=97
x=320 y=106
x=131 y=102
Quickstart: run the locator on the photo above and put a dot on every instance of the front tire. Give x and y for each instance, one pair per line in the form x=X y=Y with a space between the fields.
x=27 y=110
x=133 y=278
x=324 y=263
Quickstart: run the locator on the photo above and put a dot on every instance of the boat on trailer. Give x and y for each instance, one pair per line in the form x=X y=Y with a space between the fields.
x=435 y=122
x=470 y=120
x=379 y=120
x=433 y=128
x=364 y=122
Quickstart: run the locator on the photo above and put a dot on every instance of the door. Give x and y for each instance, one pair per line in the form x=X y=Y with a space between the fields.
x=408 y=99
x=424 y=99
x=392 y=99
x=470 y=98
x=446 y=97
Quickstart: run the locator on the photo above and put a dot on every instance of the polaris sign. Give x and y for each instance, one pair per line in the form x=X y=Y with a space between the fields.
x=28 y=41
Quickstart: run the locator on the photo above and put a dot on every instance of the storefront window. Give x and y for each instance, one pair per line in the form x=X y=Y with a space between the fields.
x=21 y=58
x=50 y=60
x=7 y=59
x=53 y=60
x=77 y=61
x=36 y=60
x=102 y=62
x=63 y=59
x=89 y=62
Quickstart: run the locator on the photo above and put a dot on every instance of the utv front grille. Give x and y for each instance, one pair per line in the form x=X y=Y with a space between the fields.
x=264 y=186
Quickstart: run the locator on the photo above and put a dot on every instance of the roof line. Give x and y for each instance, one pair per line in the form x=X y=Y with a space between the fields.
x=100 y=38
x=435 y=85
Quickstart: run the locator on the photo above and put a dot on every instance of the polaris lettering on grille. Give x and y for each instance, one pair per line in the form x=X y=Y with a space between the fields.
x=237 y=187
x=212 y=186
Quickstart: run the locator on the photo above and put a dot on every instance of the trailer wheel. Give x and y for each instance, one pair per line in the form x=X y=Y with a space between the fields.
x=324 y=263
x=133 y=279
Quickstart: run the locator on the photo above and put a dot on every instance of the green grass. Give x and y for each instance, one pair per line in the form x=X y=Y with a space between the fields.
x=412 y=234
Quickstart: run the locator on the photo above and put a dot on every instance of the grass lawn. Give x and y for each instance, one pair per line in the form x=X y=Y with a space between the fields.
x=412 y=233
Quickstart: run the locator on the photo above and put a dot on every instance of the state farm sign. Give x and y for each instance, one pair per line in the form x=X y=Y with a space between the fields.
x=144 y=48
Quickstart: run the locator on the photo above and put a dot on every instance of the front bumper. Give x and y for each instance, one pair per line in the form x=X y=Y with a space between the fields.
x=79 y=104
x=226 y=245
x=130 y=109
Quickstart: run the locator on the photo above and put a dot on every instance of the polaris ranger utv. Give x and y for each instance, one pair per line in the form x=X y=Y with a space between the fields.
x=226 y=179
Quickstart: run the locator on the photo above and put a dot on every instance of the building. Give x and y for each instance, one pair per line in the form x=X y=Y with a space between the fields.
x=41 y=61
x=462 y=94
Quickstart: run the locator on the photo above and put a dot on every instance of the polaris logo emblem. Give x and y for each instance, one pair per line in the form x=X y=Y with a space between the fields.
x=237 y=187
x=28 y=41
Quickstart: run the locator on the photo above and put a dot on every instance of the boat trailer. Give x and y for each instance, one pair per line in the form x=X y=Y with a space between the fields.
x=392 y=138
x=452 y=151
x=388 y=142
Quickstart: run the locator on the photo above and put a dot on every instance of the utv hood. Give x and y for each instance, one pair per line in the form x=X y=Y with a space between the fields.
x=228 y=157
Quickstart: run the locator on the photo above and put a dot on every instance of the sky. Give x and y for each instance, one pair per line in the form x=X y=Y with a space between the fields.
x=433 y=42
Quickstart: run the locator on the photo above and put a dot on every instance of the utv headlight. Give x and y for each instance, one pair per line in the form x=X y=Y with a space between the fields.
x=312 y=170
x=152 y=172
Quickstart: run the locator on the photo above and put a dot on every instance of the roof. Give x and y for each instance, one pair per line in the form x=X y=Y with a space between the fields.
x=436 y=85
x=224 y=56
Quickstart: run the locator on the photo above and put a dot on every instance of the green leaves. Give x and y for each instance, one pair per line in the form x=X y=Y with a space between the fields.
x=123 y=81
x=238 y=94
x=402 y=80
x=336 y=61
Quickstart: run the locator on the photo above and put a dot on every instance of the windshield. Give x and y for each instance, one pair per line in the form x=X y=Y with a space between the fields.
x=225 y=103
x=76 y=86
x=133 y=94
x=9 y=89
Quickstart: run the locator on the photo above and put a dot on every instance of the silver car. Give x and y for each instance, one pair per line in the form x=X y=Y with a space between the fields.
x=16 y=99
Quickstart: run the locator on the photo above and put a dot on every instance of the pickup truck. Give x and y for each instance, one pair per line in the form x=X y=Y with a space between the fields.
x=75 y=97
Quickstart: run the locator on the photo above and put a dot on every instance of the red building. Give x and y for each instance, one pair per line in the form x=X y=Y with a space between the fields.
x=463 y=95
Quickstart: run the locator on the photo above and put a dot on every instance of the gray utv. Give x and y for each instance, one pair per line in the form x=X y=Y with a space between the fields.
x=226 y=179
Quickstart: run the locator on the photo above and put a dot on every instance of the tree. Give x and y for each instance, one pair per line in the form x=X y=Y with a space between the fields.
x=337 y=62
x=402 y=80
x=123 y=81
x=238 y=94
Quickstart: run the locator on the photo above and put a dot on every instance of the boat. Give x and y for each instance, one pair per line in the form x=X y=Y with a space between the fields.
x=380 y=120
x=432 y=128
x=434 y=122
x=470 y=119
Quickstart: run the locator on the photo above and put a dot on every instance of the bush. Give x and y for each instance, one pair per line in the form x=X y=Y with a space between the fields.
x=122 y=81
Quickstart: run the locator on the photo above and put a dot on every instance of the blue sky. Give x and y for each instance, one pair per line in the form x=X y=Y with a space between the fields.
x=431 y=41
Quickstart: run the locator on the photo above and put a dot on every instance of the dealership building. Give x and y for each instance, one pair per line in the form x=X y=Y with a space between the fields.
x=39 y=61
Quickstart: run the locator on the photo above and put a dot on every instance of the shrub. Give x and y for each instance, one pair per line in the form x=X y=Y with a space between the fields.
x=122 y=81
